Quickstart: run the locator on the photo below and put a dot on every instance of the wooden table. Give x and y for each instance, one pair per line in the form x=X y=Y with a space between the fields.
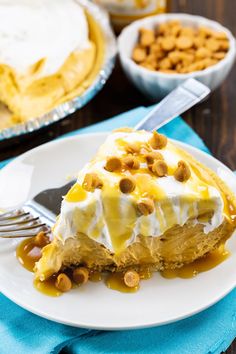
x=213 y=120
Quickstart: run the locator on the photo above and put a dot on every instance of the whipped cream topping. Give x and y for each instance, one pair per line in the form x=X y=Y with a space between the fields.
x=31 y=30
x=110 y=217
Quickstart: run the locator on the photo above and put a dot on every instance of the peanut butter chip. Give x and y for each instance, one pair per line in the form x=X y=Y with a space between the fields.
x=63 y=282
x=133 y=148
x=131 y=162
x=113 y=164
x=127 y=185
x=147 y=37
x=41 y=239
x=146 y=206
x=91 y=182
x=158 y=141
x=184 y=42
x=131 y=278
x=160 y=168
x=212 y=44
x=152 y=156
x=80 y=275
x=139 y=54
x=182 y=173
x=168 y=43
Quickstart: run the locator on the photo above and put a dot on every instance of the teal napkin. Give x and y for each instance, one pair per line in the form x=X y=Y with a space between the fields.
x=209 y=332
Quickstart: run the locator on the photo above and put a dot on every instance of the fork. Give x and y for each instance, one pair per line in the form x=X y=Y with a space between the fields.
x=39 y=214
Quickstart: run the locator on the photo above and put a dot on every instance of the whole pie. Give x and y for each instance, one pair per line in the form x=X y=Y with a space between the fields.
x=50 y=52
x=141 y=202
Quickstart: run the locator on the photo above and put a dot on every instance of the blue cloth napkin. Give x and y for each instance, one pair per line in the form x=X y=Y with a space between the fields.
x=209 y=332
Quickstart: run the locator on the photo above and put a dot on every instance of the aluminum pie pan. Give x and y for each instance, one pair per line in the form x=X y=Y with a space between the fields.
x=69 y=107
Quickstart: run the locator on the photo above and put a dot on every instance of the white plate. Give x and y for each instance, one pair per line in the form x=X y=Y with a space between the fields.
x=159 y=300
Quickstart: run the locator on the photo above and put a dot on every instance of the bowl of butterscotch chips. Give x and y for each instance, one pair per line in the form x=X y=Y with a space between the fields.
x=160 y=52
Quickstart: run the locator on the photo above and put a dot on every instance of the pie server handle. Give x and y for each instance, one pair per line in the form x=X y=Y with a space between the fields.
x=177 y=102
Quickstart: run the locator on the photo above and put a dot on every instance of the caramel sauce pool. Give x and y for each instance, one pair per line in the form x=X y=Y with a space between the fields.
x=28 y=254
x=115 y=281
x=47 y=287
x=203 y=264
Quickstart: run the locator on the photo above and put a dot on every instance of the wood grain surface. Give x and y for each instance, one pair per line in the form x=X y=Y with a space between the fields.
x=214 y=120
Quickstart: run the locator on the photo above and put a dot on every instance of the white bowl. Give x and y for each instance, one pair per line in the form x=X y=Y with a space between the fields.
x=156 y=85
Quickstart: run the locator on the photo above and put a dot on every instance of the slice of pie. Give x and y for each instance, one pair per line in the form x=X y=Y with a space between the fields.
x=142 y=202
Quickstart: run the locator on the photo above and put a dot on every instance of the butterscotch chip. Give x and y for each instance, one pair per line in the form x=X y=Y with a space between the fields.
x=199 y=65
x=146 y=206
x=131 y=278
x=113 y=164
x=175 y=30
x=224 y=45
x=175 y=57
x=187 y=31
x=168 y=43
x=131 y=162
x=91 y=182
x=184 y=70
x=41 y=239
x=182 y=173
x=151 y=157
x=165 y=64
x=158 y=141
x=187 y=59
x=209 y=62
x=155 y=48
x=139 y=54
x=212 y=44
x=218 y=55
x=148 y=66
x=219 y=35
x=133 y=148
x=198 y=42
x=147 y=37
x=190 y=51
x=127 y=185
x=163 y=28
x=202 y=53
x=160 y=168
x=184 y=42
x=80 y=275
x=204 y=32
x=151 y=59
x=63 y=282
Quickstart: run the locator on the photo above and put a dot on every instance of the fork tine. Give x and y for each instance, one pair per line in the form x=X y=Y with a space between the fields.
x=30 y=227
x=13 y=215
x=25 y=232
x=20 y=222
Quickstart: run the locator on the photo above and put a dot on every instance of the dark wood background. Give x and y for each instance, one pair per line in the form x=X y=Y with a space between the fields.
x=213 y=120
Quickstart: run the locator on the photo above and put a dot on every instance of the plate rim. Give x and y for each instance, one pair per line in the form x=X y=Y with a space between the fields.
x=113 y=327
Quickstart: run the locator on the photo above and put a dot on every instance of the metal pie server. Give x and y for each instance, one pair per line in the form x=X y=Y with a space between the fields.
x=177 y=102
x=39 y=214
